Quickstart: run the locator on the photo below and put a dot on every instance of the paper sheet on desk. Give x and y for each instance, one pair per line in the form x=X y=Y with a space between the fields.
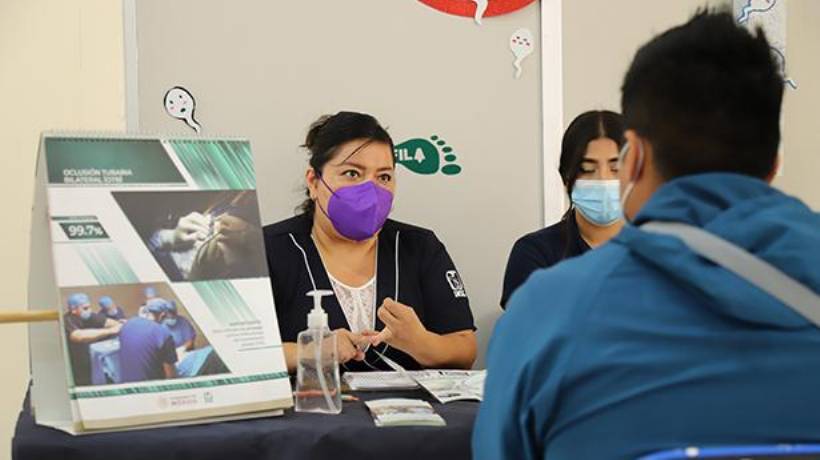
x=452 y=385
x=443 y=384
x=399 y=379
x=388 y=380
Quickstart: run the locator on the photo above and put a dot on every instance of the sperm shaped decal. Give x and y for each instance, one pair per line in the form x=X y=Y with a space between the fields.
x=755 y=6
x=521 y=45
x=180 y=104
x=781 y=63
x=480 y=9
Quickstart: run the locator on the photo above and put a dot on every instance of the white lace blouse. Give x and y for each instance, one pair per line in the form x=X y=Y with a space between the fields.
x=358 y=303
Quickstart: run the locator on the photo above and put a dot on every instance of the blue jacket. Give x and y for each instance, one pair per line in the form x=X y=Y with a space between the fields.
x=641 y=345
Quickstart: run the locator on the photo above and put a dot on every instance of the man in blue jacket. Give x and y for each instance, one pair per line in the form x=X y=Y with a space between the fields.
x=642 y=345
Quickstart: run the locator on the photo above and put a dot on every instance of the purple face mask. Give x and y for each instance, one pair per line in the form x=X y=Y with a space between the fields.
x=357 y=212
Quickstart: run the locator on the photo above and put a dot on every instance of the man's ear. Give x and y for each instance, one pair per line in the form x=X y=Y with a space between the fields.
x=778 y=162
x=630 y=160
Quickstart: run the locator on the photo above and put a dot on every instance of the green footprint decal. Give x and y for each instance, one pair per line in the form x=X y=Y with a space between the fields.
x=424 y=156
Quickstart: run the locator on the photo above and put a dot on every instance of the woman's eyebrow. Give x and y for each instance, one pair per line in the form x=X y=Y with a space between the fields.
x=353 y=164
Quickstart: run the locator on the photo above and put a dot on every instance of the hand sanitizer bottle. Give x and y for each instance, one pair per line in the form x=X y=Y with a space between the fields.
x=317 y=373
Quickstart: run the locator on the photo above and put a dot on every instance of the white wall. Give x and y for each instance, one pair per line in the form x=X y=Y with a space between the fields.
x=421 y=72
x=62 y=68
x=801 y=126
x=601 y=37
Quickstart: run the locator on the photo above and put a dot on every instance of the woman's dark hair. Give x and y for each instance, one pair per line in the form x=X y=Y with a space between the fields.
x=329 y=132
x=585 y=128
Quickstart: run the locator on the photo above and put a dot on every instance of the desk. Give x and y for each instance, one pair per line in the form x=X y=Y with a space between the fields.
x=350 y=435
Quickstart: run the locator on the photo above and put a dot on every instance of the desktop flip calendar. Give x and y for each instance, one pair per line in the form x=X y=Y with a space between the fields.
x=152 y=250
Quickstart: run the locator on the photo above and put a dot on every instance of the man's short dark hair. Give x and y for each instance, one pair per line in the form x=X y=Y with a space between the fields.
x=707 y=96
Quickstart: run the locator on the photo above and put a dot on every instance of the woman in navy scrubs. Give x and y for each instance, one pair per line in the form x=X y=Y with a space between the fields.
x=396 y=289
x=588 y=168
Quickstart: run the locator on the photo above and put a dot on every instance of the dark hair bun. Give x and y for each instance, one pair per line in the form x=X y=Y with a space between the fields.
x=329 y=132
x=314 y=131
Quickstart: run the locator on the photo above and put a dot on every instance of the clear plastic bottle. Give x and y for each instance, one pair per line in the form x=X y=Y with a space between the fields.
x=318 y=388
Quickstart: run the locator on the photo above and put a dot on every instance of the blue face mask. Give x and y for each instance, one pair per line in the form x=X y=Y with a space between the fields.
x=599 y=201
x=85 y=315
x=170 y=322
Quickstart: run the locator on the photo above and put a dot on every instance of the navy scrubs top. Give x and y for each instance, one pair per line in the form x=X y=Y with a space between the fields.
x=413 y=268
x=145 y=346
x=541 y=249
x=79 y=352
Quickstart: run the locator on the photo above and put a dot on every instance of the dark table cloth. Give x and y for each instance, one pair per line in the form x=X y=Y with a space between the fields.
x=348 y=435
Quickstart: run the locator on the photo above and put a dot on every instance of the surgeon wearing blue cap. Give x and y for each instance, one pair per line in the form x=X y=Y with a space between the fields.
x=83 y=327
x=147 y=349
x=110 y=309
x=150 y=292
x=181 y=329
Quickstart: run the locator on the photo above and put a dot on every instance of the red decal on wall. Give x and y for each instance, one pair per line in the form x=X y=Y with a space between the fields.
x=467 y=7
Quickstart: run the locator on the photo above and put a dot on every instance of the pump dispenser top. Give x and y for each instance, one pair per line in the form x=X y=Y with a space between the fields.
x=317 y=318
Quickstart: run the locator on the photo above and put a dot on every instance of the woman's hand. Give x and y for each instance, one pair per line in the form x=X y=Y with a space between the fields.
x=349 y=346
x=402 y=327
x=404 y=330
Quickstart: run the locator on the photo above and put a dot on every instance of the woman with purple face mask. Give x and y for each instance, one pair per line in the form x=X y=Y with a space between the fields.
x=397 y=292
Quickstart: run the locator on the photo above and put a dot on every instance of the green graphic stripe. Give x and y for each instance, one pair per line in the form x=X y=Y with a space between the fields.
x=217 y=165
x=107 y=264
x=224 y=301
x=161 y=388
x=84 y=161
x=260 y=348
x=73 y=218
